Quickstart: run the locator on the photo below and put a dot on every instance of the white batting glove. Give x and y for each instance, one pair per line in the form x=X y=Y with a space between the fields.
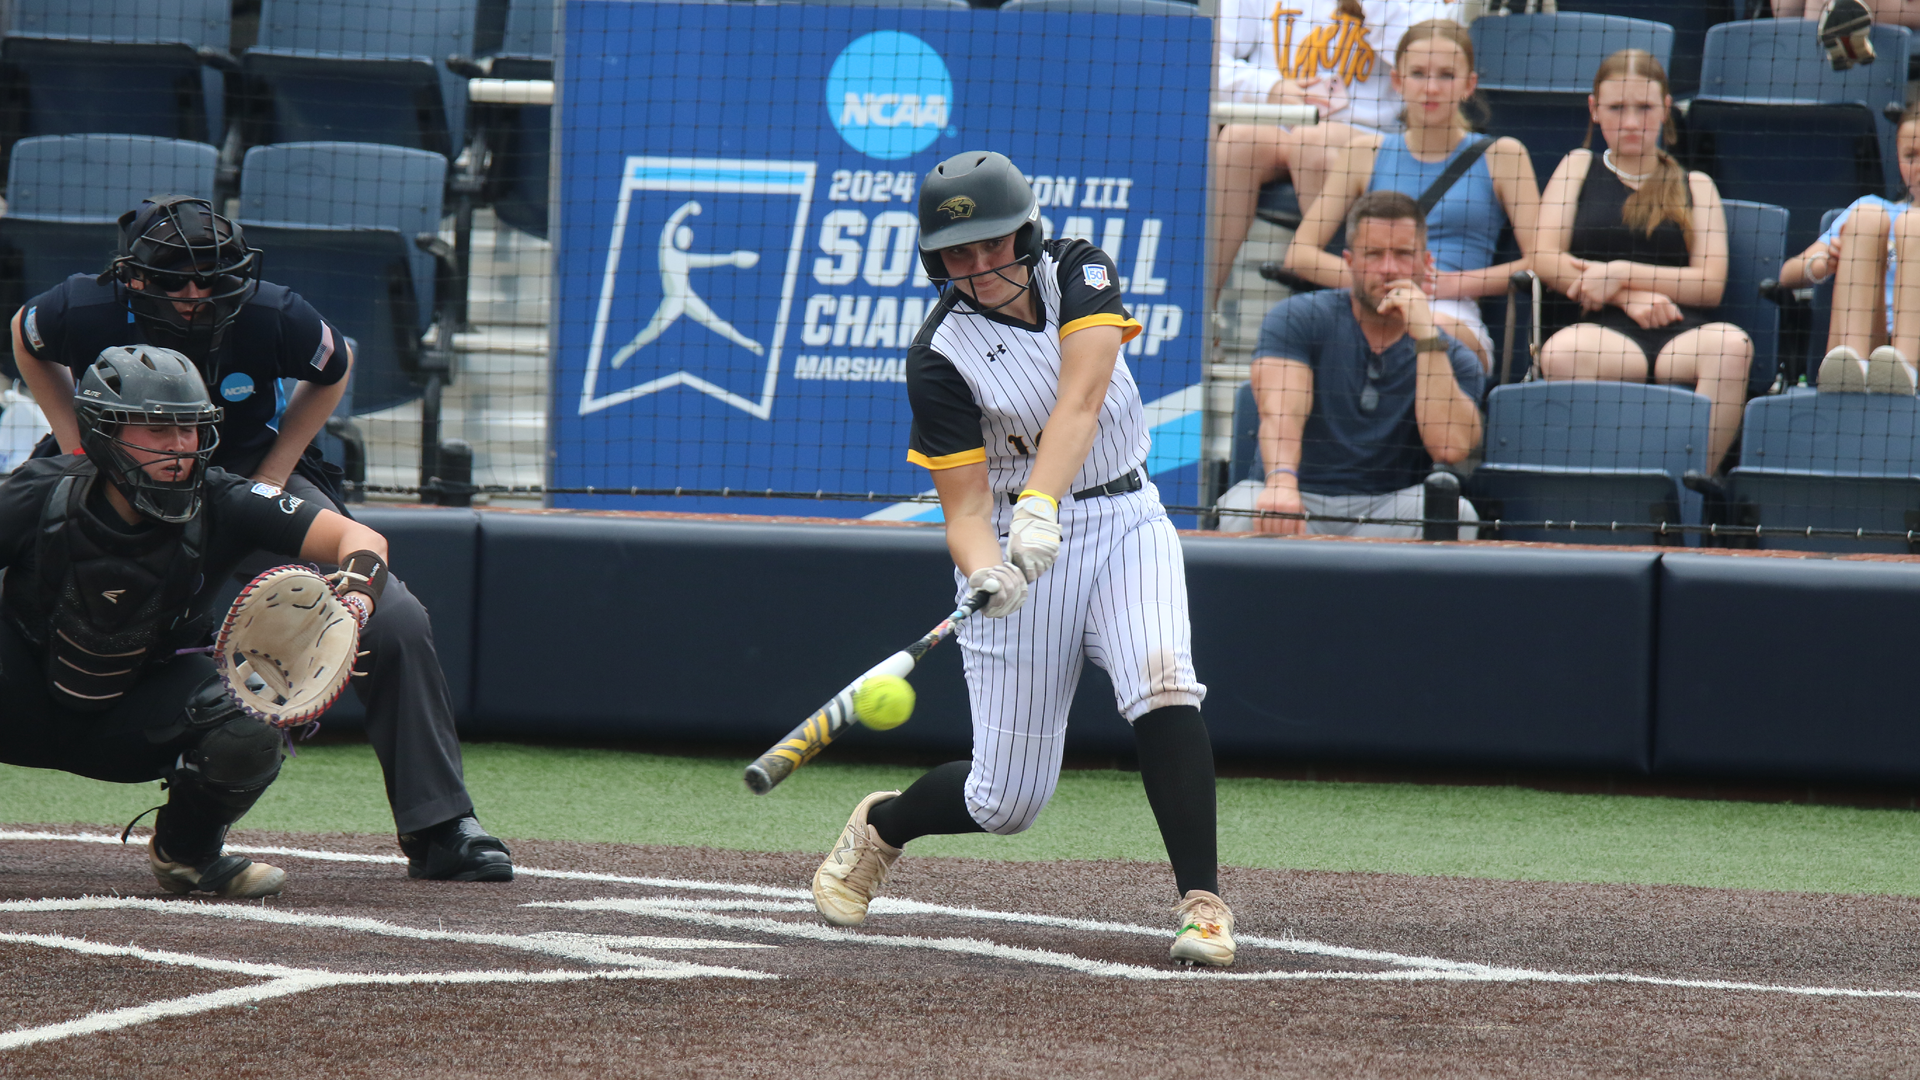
x=1007 y=584
x=1034 y=540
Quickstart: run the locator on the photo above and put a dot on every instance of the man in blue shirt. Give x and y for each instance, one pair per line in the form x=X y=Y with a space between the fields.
x=1360 y=395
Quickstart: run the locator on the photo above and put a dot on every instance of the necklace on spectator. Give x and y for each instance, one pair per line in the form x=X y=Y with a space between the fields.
x=1607 y=159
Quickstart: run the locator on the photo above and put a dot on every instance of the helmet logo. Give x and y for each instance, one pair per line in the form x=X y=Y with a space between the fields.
x=957 y=207
x=113 y=595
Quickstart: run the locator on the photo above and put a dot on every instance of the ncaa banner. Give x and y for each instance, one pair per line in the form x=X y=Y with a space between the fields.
x=738 y=267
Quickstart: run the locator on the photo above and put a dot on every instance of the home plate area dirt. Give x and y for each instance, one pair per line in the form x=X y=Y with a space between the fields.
x=618 y=960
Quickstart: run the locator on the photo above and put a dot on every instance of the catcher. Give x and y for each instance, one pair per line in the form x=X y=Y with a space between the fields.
x=105 y=552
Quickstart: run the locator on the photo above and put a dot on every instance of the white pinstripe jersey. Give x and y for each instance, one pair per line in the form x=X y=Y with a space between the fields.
x=982 y=386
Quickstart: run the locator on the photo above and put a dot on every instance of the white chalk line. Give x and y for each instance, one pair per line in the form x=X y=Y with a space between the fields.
x=284 y=981
x=1413 y=967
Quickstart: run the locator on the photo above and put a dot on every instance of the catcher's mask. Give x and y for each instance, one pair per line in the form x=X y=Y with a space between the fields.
x=975 y=196
x=151 y=386
x=172 y=242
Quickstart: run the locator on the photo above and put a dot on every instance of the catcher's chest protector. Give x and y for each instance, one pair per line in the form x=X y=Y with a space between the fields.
x=102 y=602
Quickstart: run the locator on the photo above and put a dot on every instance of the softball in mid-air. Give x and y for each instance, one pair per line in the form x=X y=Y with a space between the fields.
x=883 y=701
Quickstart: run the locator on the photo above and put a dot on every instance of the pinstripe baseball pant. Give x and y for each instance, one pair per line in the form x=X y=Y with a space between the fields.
x=1116 y=596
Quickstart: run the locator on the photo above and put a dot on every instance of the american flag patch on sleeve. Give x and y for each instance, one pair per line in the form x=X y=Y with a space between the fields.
x=325 y=352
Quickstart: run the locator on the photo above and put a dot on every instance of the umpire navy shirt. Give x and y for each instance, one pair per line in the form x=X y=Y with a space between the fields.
x=276 y=335
x=242 y=517
x=1349 y=449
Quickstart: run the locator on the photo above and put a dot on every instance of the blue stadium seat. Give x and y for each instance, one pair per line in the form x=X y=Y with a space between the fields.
x=1103 y=7
x=1537 y=70
x=1690 y=20
x=1806 y=158
x=66 y=192
x=1590 y=451
x=338 y=222
x=118 y=66
x=1779 y=62
x=324 y=71
x=1756 y=244
x=515 y=140
x=936 y=5
x=1821 y=321
x=1830 y=461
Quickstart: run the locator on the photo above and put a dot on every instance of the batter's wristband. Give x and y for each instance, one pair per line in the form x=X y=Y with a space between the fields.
x=364 y=572
x=1042 y=494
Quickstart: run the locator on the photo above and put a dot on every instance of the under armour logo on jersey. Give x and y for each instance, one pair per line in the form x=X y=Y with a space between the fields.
x=113 y=595
x=999 y=349
x=957 y=207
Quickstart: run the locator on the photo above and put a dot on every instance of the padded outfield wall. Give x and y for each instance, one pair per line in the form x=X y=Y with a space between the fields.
x=656 y=629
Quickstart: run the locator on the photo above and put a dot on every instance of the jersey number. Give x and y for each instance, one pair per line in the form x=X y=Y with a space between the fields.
x=1019 y=444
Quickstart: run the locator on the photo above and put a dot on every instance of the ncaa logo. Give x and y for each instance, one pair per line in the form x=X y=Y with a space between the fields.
x=889 y=95
x=236 y=387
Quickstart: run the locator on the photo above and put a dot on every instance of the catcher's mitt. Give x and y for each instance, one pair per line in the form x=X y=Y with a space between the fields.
x=287 y=647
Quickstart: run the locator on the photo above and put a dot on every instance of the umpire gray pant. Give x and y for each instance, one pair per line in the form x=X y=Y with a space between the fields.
x=409 y=711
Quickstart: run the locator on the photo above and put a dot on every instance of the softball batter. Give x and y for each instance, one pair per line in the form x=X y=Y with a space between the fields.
x=1034 y=431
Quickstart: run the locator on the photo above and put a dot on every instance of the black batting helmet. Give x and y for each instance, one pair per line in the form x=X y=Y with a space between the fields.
x=978 y=195
x=169 y=243
x=146 y=385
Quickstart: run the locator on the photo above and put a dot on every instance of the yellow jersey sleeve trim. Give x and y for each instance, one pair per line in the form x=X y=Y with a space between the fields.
x=948 y=461
x=1129 y=328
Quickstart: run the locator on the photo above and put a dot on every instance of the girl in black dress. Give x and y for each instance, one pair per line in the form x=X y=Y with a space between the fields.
x=1641 y=245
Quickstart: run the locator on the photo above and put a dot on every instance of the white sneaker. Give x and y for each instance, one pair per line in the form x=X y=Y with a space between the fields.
x=855 y=869
x=1888 y=372
x=1843 y=372
x=232 y=876
x=1206 y=930
x=1845 y=30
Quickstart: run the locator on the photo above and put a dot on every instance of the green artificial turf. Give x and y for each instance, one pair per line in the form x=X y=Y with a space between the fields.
x=1494 y=832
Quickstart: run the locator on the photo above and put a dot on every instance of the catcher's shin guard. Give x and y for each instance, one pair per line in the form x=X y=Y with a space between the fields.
x=216 y=781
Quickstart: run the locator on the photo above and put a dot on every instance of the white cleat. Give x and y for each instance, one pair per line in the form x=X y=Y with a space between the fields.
x=232 y=876
x=855 y=869
x=1206 y=930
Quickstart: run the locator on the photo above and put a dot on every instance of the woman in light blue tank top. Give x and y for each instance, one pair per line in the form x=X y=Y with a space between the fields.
x=1433 y=70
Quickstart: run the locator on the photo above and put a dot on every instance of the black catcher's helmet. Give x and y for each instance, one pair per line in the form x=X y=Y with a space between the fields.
x=169 y=243
x=145 y=384
x=978 y=195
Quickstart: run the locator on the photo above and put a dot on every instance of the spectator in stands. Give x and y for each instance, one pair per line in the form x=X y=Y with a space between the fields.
x=1325 y=53
x=1872 y=254
x=1360 y=392
x=1433 y=73
x=1641 y=245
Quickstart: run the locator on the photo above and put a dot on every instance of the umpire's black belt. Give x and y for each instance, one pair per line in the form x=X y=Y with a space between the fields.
x=1132 y=481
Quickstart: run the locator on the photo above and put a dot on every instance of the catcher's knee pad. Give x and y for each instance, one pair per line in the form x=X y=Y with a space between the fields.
x=235 y=756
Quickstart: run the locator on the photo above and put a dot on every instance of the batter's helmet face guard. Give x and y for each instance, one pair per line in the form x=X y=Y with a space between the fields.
x=148 y=386
x=975 y=196
x=171 y=243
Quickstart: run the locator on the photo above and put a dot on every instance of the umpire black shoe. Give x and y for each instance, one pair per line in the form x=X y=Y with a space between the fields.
x=457 y=850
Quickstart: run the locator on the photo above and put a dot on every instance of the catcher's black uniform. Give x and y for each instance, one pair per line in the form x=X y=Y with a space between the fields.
x=278 y=335
x=172 y=720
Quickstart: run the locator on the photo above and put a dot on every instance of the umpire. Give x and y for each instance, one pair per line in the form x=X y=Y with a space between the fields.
x=101 y=591
x=186 y=280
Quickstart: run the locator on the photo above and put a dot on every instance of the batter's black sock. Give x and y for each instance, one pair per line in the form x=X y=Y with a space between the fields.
x=1176 y=767
x=936 y=805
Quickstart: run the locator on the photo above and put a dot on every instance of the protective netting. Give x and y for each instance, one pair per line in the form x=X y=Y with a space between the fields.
x=1645 y=279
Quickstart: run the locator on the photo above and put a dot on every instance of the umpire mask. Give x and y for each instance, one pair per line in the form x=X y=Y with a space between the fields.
x=193 y=271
